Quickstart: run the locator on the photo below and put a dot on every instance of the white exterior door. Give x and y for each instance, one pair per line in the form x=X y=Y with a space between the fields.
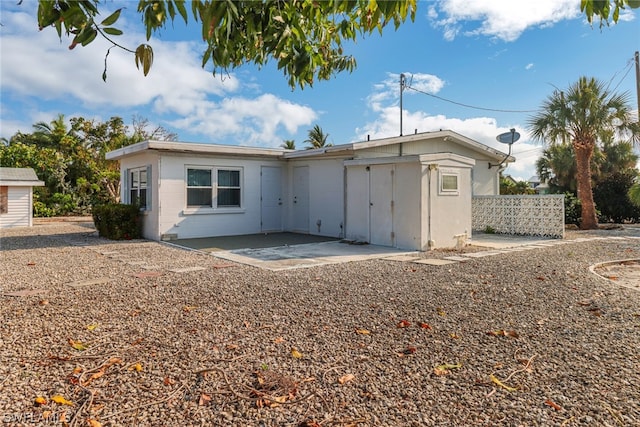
x=271 y=198
x=381 y=205
x=300 y=200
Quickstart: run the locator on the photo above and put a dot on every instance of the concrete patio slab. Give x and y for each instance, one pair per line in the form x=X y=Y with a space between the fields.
x=186 y=269
x=435 y=261
x=308 y=255
x=89 y=282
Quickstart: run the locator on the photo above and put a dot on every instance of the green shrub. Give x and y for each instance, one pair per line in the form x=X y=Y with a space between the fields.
x=117 y=222
x=489 y=230
x=572 y=209
x=612 y=199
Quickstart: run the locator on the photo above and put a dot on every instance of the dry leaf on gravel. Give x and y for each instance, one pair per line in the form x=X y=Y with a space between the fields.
x=403 y=323
x=77 y=345
x=362 y=332
x=296 y=354
x=554 y=405
x=499 y=383
x=346 y=378
x=503 y=333
x=204 y=399
x=445 y=368
x=61 y=400
x=40 y=400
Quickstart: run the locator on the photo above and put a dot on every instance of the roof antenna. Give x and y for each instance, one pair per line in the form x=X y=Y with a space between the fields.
x=402 y=85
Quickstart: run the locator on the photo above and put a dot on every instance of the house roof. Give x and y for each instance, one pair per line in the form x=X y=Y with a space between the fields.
x=19 y=177
x=194 y=148
x=338 y=150
x=446 y=135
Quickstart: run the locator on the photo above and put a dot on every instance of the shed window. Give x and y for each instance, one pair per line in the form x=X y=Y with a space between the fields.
x=138 y=189
x=449 y=183
x=4 y=199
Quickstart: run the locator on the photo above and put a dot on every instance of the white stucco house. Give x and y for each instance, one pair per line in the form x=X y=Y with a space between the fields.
x=16 y=196
x=410 y=192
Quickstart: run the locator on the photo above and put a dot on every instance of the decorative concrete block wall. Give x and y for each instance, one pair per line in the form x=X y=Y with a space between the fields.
x=530 y=215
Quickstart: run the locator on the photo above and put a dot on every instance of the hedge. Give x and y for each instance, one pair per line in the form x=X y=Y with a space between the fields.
x=117 y=222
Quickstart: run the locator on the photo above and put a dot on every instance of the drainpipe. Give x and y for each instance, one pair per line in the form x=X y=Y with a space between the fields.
x=431 y=167
x=345 y=186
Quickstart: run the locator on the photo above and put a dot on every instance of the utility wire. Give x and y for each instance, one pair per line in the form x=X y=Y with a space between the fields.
x=467 y=105
x=629 y=66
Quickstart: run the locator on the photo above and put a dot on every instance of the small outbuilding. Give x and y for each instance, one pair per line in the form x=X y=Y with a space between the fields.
x=409 y=192
x=16 y=196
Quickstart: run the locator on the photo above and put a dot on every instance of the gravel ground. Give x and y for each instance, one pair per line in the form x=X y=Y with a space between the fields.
x=115 y=338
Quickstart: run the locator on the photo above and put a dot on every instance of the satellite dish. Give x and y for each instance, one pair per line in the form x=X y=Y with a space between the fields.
x=508 y=137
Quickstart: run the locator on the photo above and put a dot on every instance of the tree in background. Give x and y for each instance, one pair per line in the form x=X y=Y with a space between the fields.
x=316 y=138
x=288 y=144
x=510 y=187
x=71 y=160
x=634 y=193
x=557 y=165
x=584 y=116
x=304 y=37
x=611 y=195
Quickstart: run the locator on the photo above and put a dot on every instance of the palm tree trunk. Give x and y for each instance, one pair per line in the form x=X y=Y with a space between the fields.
x=585 y=194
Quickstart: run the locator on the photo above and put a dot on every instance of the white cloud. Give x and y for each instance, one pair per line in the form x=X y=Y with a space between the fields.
x=389 y=89
x=528 y=66
x=502 y=19
x=386 y=123
x=247 y=121
x=38 y=68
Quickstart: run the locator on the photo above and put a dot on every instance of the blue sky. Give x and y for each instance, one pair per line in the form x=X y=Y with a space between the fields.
x=495 y=54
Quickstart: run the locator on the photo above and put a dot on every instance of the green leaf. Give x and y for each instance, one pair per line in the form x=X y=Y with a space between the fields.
x=181 y=9
x=144 y=57
x=92 y=33
x=112 y=31
x=111 y=19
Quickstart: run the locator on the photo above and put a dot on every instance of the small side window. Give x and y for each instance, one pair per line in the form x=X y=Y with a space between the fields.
x=449 y=183
x=138 y=188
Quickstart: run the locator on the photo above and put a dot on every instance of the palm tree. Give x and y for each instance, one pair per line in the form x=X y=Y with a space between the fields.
x=583 y=116
x=557 y=166
x=634 y=194
x=317 y=138
x=288 y=144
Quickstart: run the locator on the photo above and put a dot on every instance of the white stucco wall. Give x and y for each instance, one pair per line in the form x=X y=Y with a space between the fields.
x=486 y=182
x=19 y=209
x=176 y=218
x=449 y=214
x=326 y=196
x=150 y=220
x=408 y=202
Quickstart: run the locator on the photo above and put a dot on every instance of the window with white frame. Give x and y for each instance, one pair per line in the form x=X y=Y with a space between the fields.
x=228 y=188
x=199 y=187
x=138 y=190
x=449 y=182
x=214 y=187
